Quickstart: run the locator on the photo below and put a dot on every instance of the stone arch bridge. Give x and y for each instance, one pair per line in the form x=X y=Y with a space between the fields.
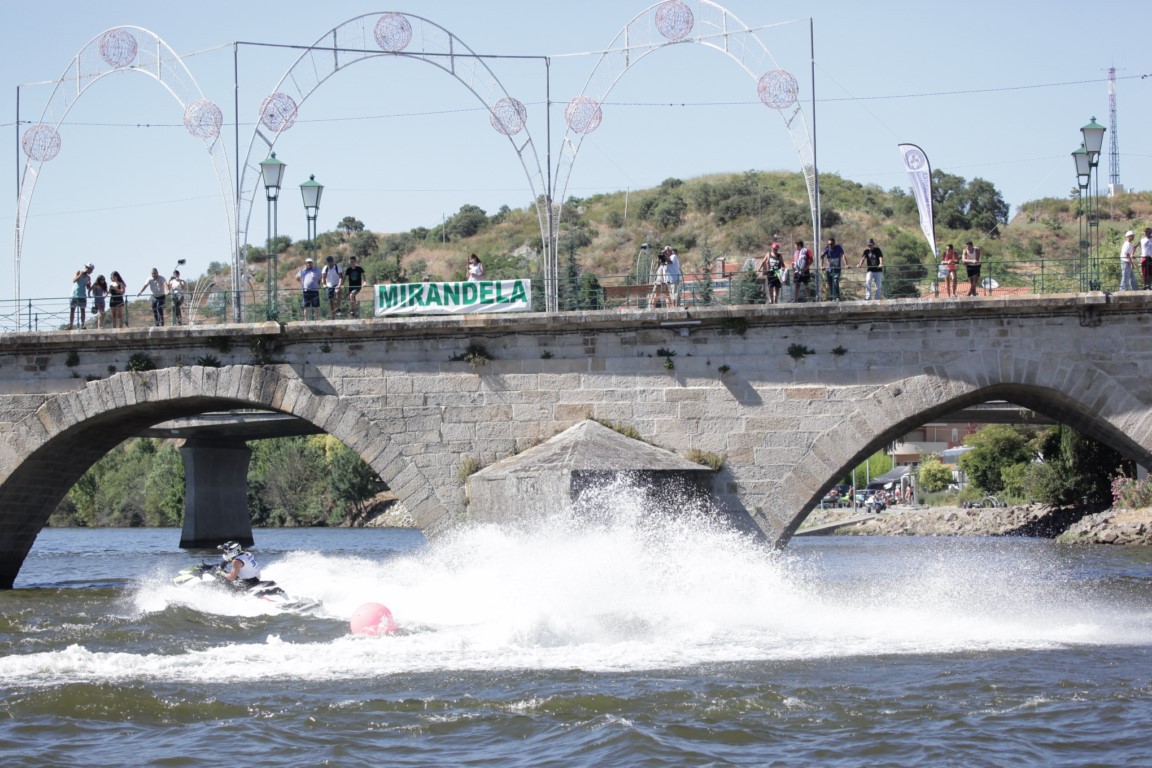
x=792 y=396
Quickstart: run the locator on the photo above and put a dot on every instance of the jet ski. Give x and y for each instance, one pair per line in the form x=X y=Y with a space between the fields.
x=267 y=591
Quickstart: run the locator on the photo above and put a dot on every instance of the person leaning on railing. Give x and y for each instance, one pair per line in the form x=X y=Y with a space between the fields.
x=971 y=260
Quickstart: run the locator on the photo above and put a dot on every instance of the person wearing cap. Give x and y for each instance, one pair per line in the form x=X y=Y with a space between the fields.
x=772 y=267
x=309 y=278
x=333 y=278
x=81 y=287
x=1127 y=254
x=833 y=264
x=873 y=260
x=158 y=287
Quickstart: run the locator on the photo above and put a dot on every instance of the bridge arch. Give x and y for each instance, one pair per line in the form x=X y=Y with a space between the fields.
x=54 y=446
x=114 y=51
x=1079 y=395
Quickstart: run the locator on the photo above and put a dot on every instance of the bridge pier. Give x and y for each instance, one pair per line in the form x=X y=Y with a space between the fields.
x=215 y=492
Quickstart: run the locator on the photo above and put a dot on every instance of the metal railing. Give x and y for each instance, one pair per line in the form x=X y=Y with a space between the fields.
x=591 y=293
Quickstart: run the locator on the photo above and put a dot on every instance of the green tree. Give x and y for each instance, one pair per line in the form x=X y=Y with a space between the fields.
x=466 y=222
x=959 y=204
x=994 y=448
x=704 y=287
x=747 y=288
x=351 y=482
x=140 y=482
x=365 y=246
x=350 y=225
x=164 y=489
x=1073 y=468
x=904 y=265
x=932 y=476
x=290 y=473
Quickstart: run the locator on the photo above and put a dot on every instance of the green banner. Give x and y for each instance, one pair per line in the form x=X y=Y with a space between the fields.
x=453 y=298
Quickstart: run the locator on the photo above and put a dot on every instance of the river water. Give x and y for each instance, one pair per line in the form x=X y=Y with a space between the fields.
x=633 y=641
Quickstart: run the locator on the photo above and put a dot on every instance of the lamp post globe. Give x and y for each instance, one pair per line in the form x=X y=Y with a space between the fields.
x=1093 y=134
x=311 y=191
x=272 y=172
x=1083 y=162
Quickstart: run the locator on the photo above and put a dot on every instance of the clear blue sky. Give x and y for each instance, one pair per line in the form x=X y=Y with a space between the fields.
x=990 y=89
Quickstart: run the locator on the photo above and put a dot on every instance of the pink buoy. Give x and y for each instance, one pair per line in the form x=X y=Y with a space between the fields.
x=372 y=619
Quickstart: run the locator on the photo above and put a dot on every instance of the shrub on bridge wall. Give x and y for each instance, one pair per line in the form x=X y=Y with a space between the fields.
x=474 y=355
x=799 y=351
x=139 y=361
x=713 y=461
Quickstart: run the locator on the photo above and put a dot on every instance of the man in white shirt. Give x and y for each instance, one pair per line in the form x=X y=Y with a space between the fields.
x=1127 y=254
x=309 y=278
x=333 y=279
x=158 y=286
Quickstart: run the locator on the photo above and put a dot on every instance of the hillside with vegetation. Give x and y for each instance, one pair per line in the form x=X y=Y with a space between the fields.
x=728 y=219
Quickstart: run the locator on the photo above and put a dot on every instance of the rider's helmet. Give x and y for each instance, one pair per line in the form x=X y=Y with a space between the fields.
x=230 y=549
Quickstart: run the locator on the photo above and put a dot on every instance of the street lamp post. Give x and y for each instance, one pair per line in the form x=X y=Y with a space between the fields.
x=311 y=191
x=1093 y=134
x=1083 y=174
x=272 y=171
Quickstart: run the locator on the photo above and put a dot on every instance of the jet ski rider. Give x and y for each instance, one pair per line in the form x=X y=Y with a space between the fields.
x=239 y=566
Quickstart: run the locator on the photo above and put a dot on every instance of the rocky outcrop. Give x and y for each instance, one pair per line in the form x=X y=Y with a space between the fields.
x=1113 y=526
x=1109 y=527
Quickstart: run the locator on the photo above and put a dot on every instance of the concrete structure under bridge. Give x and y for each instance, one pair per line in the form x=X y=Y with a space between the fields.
x=792 y=396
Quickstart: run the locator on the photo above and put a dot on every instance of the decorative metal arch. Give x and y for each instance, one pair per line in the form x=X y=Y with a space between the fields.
x=113 y=51
x=376 y=35
x=673 y=22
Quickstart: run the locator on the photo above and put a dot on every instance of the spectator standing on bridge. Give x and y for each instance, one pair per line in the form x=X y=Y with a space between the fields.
x=99 y=291
x=159 y=289
x=176 y=287
x=309 y=278
x=772 y=265
x=971 y=259
x=355 y=277
x=802 y=272
x=873 y=261
x=1146 y=257
x=1127 y=260
x=948 y=261
x=660 y=294
x=333 y=279
x=116 y=290
x=673 y=274
x=475 y=269
x=833 y=264
x=81 y=285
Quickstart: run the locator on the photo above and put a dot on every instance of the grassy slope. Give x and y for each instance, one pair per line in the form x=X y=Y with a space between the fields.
x=1044 y=229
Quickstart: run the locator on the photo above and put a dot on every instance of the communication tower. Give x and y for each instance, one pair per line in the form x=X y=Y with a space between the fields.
x=1114 y=185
